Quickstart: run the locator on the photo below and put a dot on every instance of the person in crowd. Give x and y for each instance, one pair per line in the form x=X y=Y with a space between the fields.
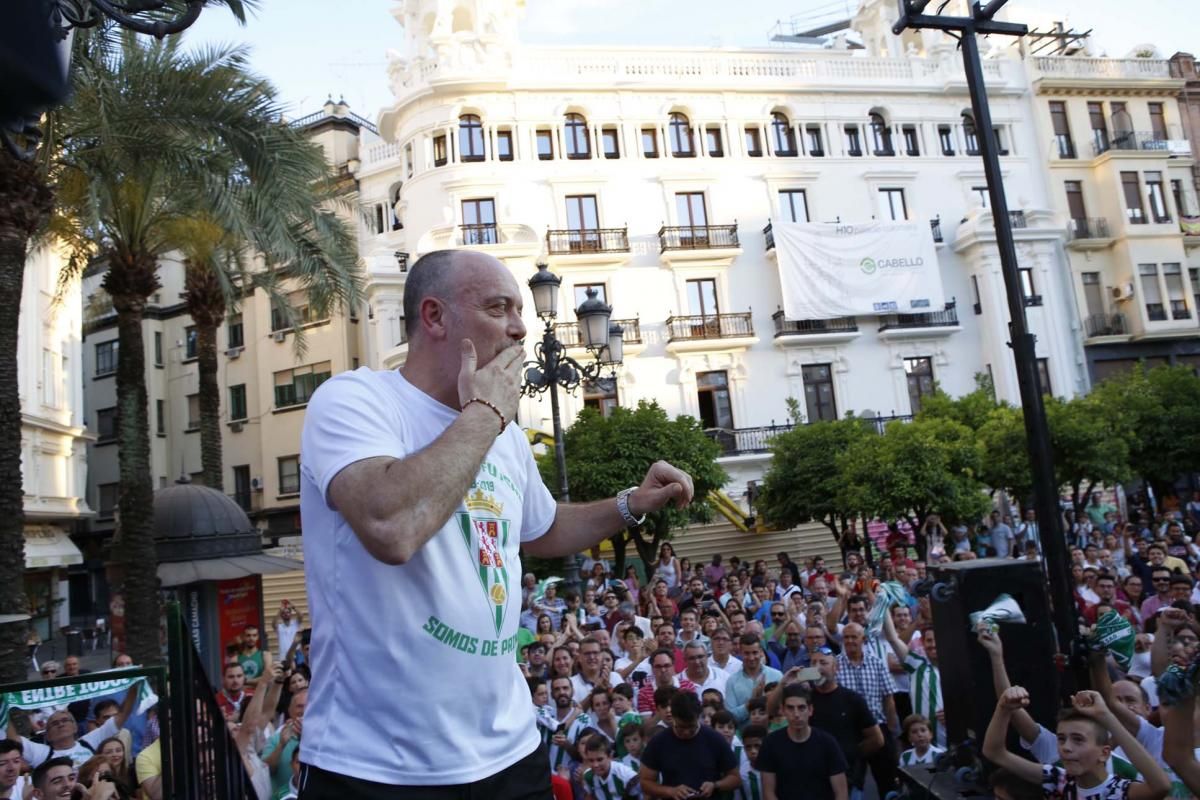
x=234 y=692
x=591 y=673
x=61 y=736
x=699 y=673
x=55 y=779
x=751 y=779
x=722 y=651
x=12 y=783
x=604 y=778
x=714 y=572
x=925 y=681
x=277 y=754
x=255 y=661
x=688 y=759
x=799 y=761
x=792 y=653
x=286 y=623
x=667 y=568
x=919 y=735
x=751 y=681
x=665 y=676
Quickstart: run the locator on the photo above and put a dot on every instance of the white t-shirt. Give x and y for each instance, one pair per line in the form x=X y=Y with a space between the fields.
x=446 y=621
x=582 y=688
x=84 y=748
x=285 y=634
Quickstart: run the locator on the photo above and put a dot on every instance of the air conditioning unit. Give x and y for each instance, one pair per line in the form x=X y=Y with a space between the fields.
x=279 y=336
x=1122 y=292
x=233 y=352
x=256 y=484
x=237 y=427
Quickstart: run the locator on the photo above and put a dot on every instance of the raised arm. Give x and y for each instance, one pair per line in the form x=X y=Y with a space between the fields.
x=126 y=709
x=994 y=747
x=889 y=632
x=1179 y=741
x=1027 y=728
x=1098 y=666
x=1155 y=784
x=1169 y=621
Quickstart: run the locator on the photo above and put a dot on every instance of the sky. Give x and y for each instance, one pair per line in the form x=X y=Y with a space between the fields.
x=312 y=49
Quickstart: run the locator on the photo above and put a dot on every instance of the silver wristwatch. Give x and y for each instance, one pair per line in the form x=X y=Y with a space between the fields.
x=623 y=507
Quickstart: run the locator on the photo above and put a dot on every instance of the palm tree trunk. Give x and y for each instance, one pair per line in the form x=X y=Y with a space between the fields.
x=130 y=281
x=206 y=304
x=25 y=203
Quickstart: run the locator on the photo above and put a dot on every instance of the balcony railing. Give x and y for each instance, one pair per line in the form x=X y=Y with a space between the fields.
x=594 y=240
x=769 y=236
x=697 y=237
x=1017 y=219
x=568 y=332
x=1089 y=228
x=802 y=327
x=483 y=233
x=933 y=319
x=709 y=326
x=935 y=225
x=401 y=260
x=745 y=441
x=1132 y=140
x=1105 y=325
x=1064 y=145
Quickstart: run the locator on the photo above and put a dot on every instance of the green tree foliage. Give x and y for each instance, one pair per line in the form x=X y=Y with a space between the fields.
x=608 y=454
x=801 y=484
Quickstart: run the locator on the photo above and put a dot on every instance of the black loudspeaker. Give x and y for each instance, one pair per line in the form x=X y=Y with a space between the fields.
x=967 y=586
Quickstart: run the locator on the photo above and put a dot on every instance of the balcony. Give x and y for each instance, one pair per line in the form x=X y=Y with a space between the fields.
x=751 y=441
x=792 y=332
x=480 y=234
x=711 y=245
x=568 y=333
x=1017 y=219
x=699 y=332
x=933 y=323
x=1136 y=141
x=1096 y=325
x=935 y=225
x=595 y=240
x=1091 y=233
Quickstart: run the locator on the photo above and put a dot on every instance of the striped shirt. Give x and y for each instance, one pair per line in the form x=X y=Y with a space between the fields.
x=751 y=786
x=559 y=756
x=926 y=692
x=910 y=757
x=628 y=760
x=621 y=782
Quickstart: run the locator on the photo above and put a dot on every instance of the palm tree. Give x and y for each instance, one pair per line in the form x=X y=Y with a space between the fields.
x=155 y=140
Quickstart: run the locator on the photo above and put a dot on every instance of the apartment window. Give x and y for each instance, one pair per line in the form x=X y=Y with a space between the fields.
x=545 y=144
x=712 y=392
x=297 y=301
x=1075 y=205
x=753 y=141
x=881 y=136
x=978 y=302
x=853 y=140
x=1152 y=294
x=409 y=166
x=793 y=205
x=504 y=145
x=439 y=150
x=713 y=142
x=1158 y=198
x=1043 y=376
x=106 y=357
x=237 y=402
x=946 y=139
x=106 y=424
x=581 y=290
x=235 y=332
x=1028 y=291
x=650 y=142
x=241 y=486
x=1093 y=293
x=294 y=387
x=575 y=131
x=1177 y=195
x=611 y=139
x=693 y=218
x=998 y=138
x=912 y=140
x=818 y=392
x=1194 y=277
x=969 y=135
x=470 y=137
x=1062 y=129
x=982 y=197
x=289 y=474
x=479 y=221
x=193 y=407
x=1158 y=122
x=1133 y=198
x=190 y=338
x=1176 y=295
x=680 y=130
x=160 y=417
x=919 y=372
x=702 y=298
x=158 y=349
x=107 y=505
x=783 y=138
x=1099 y=127
x=892 y=205
x=582 y=222
x=601 y=394
x=816 y=146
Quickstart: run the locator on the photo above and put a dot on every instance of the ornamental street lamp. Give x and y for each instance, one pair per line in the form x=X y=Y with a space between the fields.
x=1037 y=433
x=551 y=367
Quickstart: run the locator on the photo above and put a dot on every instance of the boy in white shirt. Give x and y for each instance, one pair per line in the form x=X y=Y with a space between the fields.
x=923 y=750
x=604 y=778
x=752 y=739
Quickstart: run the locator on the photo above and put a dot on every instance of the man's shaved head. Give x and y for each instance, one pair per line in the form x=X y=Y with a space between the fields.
x=431 y=276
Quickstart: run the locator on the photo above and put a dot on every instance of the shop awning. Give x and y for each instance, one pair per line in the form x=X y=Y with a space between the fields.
x=49 y=546
x=179 y=573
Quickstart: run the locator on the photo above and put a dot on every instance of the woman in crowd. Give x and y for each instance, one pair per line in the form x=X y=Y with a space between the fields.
x=667 y=566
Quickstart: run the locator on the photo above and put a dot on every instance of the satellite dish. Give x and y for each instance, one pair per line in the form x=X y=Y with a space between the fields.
x=868 y=413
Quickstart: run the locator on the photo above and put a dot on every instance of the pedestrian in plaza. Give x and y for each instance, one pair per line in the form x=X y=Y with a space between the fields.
x=400 y=470
x=688 y=759
x=799 y=762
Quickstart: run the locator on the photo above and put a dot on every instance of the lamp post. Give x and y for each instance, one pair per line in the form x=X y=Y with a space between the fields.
x=551 y=367
x=1037 y=432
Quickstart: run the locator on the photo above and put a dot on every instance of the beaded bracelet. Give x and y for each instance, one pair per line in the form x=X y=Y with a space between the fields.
x=492 y=406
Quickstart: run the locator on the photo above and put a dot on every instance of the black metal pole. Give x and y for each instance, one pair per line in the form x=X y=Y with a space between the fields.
x=1037 y=432
x=552 y=349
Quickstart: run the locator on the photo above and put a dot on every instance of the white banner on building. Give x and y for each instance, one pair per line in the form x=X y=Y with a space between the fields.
x=831 y=270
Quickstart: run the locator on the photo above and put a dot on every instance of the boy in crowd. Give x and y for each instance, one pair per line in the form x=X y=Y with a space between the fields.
x=800 y=761
x=751 y=788
x=922 y=750
x=1086 y=736
x=758 y=711
x=605 y=779
x=631 y=740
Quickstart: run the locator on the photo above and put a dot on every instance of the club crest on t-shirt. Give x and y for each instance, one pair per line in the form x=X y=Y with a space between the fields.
x=485 y=533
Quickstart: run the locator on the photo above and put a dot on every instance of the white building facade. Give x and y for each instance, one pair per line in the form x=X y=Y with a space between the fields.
x=652 y=176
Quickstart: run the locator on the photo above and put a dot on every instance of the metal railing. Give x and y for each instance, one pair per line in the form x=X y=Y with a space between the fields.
x=747 y=441
x=1131 y=140
x=483 y=233
x=697 y=237
x=1105 y=324
x=933 y=319
x=769 y=236
x=1064 y=145
x=1089 y=228
x=592 y=240
x=401 y=260
x=1017 y=218
x=568 y=332
x=802 y=327
x=709 y=326
x=935 y=225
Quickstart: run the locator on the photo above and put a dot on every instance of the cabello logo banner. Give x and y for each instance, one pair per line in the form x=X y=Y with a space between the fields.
x=831 y=270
